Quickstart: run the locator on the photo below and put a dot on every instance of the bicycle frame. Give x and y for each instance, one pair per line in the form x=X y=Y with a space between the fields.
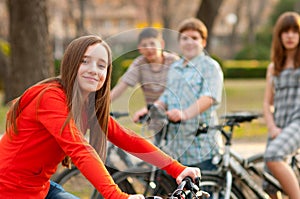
x=233 y=165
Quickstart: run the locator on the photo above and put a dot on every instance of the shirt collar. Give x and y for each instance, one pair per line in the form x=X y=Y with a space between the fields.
x=192 y=62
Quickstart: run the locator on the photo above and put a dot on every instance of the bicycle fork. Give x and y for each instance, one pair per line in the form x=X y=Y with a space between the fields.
x=228 y=173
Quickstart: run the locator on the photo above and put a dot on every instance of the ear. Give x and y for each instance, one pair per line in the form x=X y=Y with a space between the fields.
x=162 y=43
x=140 y=49
x=204 y=43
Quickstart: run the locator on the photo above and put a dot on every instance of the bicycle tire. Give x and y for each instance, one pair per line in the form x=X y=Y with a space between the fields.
x=213 y=185
x=75 y=183
x=139 y=179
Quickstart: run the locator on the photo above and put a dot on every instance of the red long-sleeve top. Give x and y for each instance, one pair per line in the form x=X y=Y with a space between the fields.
x=28 y=160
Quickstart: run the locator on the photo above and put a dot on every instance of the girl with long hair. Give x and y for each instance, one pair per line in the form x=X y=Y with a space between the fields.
x=282 y=101
x=49 y=123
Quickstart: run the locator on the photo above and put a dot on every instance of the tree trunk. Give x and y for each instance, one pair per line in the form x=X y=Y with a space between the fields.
x=207 y=13
x=31 y=55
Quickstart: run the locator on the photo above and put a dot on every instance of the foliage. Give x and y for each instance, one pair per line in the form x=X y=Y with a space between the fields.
x=283 y=6
x=245 y=68
x=4 y=47
x=120 y=65
x=218 y=59
x=57 y=67
x=261 y=48
x=253 y=51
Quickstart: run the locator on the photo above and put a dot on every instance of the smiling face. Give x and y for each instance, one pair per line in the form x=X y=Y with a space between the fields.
x=191 y=44
x=151 y=48
x=93 y=69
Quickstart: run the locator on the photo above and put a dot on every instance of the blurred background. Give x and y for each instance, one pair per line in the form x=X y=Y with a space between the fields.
x=34 y=34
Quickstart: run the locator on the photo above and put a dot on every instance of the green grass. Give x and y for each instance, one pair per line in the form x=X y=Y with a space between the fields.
x=238 y=95
x=245 y=95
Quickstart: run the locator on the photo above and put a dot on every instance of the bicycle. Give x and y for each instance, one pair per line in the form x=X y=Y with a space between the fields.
x=144 y=178
x=74 y=182
x=239 y=172
x=239 y=177
x=187 y=189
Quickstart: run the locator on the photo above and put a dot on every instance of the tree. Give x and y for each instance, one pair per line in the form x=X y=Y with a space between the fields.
x=31 y=55
x=207 y=12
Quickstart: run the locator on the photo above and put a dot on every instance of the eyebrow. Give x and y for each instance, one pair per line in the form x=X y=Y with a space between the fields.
x=88 y=56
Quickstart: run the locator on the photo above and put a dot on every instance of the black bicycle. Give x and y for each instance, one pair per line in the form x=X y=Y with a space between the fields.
x=187 y=189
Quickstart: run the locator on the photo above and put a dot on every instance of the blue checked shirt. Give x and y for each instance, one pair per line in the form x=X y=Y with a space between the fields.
x=202 y=76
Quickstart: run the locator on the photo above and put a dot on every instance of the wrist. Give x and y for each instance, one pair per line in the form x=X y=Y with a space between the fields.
x=184 y=115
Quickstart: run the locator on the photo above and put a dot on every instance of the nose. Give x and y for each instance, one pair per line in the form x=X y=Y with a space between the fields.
x=93 y=65
x=190 y=40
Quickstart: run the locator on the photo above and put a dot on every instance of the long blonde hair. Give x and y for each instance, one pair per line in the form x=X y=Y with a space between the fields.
x=98 y=107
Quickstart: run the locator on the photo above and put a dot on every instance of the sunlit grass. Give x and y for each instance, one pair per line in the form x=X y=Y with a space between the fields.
x=239 y=95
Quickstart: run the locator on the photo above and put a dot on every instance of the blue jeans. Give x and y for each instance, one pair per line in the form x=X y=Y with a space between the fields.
x=57 y=192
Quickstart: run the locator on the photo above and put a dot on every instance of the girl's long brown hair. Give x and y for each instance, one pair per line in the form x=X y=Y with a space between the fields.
x=286 y=21
x=98 y=107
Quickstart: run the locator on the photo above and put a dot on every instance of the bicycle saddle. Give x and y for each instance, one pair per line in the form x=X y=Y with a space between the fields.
x=244 y=116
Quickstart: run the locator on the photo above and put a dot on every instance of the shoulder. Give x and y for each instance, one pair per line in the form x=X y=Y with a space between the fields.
x=170 y=57
x=140 y=60
x=176 y=64
x=208 y=62
x=52 y=91
x=271 y=69
x=44 y=93
x=41 y=88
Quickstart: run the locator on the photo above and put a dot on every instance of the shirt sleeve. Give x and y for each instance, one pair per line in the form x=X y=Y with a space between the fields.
x=213 y=80
x=132 y=76
x=52 y=114
x=141 y=148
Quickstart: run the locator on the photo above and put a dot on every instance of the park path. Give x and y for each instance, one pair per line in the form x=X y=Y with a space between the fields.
x=247 y=148
x=244 y=147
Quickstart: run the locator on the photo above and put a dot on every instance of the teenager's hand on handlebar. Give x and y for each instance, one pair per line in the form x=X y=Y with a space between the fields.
x=192 y=172
x=137 y=196
x=139 y=114
x=176 y=115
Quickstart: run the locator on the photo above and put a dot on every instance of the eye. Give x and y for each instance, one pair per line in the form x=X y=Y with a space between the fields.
x=152 y=44
x=195 y=38
x=184 y=38
x=101 y=66
x=85 y=61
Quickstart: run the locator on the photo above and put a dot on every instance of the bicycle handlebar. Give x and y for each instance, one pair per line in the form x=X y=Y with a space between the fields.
x=188 y=184
x=119 y=114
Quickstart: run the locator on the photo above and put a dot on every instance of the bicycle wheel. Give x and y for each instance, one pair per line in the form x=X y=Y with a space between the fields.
x=75 y=183
x=213 y=184
x=137 y=181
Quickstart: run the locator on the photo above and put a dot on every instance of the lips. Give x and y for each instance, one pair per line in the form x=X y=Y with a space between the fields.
x=91 y=79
